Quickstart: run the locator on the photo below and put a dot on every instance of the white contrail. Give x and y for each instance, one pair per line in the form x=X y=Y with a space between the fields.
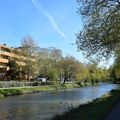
x=49 y=17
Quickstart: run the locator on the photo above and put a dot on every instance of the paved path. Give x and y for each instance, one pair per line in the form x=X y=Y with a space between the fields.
x=114 y=114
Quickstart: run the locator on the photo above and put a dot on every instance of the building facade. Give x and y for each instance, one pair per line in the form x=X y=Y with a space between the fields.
x=7 y=53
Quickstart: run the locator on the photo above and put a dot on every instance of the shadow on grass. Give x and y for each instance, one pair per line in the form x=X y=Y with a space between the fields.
x=10 y=92
x=95 y=110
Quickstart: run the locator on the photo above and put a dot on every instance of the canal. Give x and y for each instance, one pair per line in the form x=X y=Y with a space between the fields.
x=43 y=106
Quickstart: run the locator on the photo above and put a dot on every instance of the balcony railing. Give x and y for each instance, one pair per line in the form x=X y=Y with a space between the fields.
x=5 y=53
x=2 y=60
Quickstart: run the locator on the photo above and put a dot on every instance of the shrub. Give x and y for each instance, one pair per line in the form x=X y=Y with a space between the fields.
x=35 y=83
x=7 y=84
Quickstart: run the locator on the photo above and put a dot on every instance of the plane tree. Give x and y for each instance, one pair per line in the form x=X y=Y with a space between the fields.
x=100 y=36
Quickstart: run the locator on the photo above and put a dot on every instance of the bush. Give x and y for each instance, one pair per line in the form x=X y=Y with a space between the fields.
x=35 y=84
x=8 y=84
x=80 y=83
x=63 y=85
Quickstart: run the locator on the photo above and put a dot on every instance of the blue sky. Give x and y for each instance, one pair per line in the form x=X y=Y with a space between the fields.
x=51 y=23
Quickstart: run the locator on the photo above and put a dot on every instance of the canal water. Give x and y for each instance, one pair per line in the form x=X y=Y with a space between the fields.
x=43 y=106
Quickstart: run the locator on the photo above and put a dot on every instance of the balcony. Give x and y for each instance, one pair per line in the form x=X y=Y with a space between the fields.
x=2 y=60
x=5 y=53
x=4 y=47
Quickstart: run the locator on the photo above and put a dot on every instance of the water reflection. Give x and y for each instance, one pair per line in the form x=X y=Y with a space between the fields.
x=43 y=106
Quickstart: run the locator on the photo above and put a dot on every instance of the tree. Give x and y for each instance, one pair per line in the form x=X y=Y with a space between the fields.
x=47 y=60
x=81 y=74
x=113 y=75
x=97 y=74
x=93 y=71
x=115 y=69
x=101 y=32
x=53 y=76
x=68 y=67
x=29 y=47
x=44 y=63
x=14 y=70
x=56 y=54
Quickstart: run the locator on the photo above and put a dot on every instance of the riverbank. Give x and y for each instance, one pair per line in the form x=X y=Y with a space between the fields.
x=95 y=110
x=13 y=91
x=4 y=92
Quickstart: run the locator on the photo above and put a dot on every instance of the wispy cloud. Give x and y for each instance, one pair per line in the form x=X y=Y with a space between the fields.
x=49 y=17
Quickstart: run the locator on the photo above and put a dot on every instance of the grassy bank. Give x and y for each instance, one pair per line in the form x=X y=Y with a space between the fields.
x=23 y=90
x=95 y=110
x=17 y=90
x=9 y=92
x=37 y=89
x=31 y=89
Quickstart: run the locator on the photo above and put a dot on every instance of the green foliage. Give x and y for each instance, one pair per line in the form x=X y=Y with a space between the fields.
x=100 y=34
x=53 y=76
x=14 y=71
x=69 y=67
x=10 y=92
x=35 y=84
x=115 y=69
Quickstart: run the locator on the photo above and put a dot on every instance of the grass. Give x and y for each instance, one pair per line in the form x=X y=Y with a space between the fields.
x=33 y=89
x=37 y=88
x=23 y=90
x=10 y=92
x=95 y=110
x=68 y=86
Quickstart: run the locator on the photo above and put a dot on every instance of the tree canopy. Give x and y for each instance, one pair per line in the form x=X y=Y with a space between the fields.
x=14 y=70
x=29 y=47
x=100 y=35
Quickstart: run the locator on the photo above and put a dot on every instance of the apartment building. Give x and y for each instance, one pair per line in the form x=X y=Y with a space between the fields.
x=7 y=53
